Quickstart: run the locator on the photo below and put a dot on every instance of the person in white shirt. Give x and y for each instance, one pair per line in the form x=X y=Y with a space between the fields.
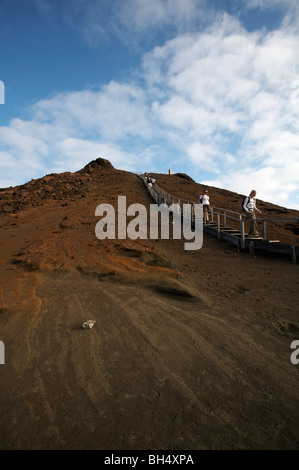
x=249 y=206
x=204 y=199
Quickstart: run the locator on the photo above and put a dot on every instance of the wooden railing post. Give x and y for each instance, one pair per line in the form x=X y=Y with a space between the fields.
x=264 y=230
x=218 y=226
x=242 y=231
x=293 y=254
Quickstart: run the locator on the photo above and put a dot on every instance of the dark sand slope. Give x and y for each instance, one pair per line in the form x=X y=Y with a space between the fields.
x=190 y=350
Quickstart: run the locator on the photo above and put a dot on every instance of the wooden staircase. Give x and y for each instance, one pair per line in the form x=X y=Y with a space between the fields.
x=219 y=228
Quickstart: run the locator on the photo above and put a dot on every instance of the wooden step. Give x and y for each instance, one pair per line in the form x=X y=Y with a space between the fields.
x=253 y=238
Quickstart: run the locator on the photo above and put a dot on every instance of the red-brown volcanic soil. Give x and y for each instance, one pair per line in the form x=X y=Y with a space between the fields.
x=190 y=350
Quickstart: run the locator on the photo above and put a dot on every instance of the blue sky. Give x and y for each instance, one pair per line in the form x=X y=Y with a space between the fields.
x=209 y=88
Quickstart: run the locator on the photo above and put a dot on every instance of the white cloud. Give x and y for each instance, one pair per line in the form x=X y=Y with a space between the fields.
x=221 y=97
x=226 y=84
x=116 y=111
x=75 y=153
x=203 y=155
x=71 y=129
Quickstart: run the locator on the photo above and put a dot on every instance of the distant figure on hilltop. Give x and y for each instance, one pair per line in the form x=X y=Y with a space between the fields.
x=149 y=181
x=204 y=199
x=170 y=171
x=249 y=206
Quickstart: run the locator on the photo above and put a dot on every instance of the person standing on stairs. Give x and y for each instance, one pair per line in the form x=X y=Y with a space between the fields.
x=204 y=199
x=249 y=206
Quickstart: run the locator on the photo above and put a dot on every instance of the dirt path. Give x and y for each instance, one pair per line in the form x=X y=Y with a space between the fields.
x=160 y=369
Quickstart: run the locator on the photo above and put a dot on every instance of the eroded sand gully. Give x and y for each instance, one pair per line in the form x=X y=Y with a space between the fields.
x=189 y=350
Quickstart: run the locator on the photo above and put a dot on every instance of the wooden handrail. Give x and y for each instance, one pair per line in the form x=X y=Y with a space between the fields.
x=161 y=196
x=180 y=200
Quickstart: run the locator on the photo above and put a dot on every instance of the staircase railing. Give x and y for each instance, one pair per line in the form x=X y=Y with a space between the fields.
x=218 y=216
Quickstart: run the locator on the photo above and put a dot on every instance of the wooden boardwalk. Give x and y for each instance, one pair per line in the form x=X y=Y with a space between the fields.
x=231 y=226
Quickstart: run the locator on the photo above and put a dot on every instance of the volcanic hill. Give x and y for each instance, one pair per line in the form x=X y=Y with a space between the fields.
x=190 y=349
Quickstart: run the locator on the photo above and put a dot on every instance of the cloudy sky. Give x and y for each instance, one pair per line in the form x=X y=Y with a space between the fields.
x=205 y=87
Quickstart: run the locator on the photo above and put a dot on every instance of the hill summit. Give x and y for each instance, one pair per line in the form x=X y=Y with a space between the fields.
x=189 y=349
